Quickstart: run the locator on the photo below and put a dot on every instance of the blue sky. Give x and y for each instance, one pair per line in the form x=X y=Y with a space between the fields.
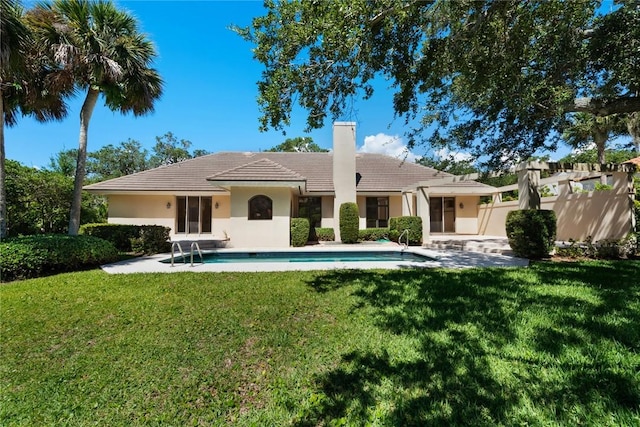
x=209 y=96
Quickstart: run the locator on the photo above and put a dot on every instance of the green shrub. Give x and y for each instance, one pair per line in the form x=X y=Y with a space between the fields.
x=118 y=234
x=412 y=223
x=325 y=234
x=626 y=247
x=373 y=234
x=147 y=239
x=349 y=222
x=636 y=212
x=299 y=231
x=152 y=239
x=531 y=233
x=42 y=255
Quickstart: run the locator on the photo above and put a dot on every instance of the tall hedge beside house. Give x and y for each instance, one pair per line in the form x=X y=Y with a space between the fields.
x=148 y=239
x=349 y=223
x=531 y=233
x=412 y=223
x=299 y=231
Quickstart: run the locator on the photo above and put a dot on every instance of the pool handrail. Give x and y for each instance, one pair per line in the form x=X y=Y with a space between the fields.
x=406 y=245
x=173 y=245
x=197 y=247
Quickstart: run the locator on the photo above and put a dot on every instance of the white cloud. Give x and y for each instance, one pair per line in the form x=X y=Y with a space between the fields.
x=390 y=145
x=445 y=153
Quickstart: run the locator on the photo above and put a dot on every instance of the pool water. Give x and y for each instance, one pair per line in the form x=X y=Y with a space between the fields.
x=315 y=256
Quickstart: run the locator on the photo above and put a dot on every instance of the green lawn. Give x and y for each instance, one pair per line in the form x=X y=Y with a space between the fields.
x=554 y=344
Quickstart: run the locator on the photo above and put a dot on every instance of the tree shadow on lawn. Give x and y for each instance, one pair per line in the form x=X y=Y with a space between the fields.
x=478 y=363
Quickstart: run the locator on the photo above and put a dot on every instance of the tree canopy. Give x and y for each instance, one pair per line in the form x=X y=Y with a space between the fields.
x=494 y=78
x=300 y=144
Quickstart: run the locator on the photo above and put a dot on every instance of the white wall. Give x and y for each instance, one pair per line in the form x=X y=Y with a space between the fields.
x=599 y=214
x=142 y=210
x=245 y=233
x=467 y=214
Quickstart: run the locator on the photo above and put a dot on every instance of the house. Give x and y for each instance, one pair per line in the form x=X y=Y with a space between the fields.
x=249 y=198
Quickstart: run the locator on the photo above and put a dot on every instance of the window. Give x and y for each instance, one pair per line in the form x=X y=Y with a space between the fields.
x=310 y=208
x=377 y=212
x=260 y=207
x=193 y=214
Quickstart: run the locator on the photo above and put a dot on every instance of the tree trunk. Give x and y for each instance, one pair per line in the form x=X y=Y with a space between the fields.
x=85 y=117
x=600 y=138
x=3 y=190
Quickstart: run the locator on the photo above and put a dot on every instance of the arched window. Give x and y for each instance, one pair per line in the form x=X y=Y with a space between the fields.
x=260 y=207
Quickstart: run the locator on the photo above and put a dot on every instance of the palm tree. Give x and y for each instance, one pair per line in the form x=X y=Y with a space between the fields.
x=103 y=52
x=27 y=85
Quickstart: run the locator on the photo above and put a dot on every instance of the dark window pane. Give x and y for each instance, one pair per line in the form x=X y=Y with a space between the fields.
x=260 y=207
x=193 y=213
x=205 y=214
x=181 y=214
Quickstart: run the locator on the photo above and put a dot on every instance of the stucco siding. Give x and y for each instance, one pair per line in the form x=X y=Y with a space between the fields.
x=467 y=214
x=247 y=233
x=141 y=210
x=599 y=214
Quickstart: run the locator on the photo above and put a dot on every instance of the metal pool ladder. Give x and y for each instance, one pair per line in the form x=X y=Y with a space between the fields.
x=173 y=246
x=406 y=244
x=197 y=247
x=194 y=245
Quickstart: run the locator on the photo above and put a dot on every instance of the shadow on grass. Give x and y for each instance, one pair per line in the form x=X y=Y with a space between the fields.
x=494 y=346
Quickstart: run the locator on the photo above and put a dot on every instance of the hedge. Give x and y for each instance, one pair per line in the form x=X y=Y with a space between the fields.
x=349 y=222
x=42 y=255
x=412 y=223
x=531 y=233
x=325 y=234
x=373 y=234
x=299 y=231
x=147 y=239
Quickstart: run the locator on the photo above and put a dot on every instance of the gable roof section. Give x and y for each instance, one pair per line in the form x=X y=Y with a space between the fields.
x=379 y=173
x=262 y=170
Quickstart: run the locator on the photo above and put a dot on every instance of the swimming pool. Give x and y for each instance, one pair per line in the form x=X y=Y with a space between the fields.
x=302 y=256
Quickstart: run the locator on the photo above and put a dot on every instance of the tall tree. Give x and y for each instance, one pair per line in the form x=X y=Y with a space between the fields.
x=487 y=77
x=114 y=161
x=586 y=128
x=103 y=52
x=169 y=150
x=27 y=85
x=300 y=144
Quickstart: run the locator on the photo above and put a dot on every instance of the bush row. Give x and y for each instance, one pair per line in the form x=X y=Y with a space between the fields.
x=626 y=247
x=147 y=239
x=396 y=226
x=41 y=255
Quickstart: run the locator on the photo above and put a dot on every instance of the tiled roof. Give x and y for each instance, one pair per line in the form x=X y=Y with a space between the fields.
x=379 y=173
x=635 y=161
x=260 y=170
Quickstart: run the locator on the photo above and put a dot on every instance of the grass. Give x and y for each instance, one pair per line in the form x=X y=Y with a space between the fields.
x=554 y=344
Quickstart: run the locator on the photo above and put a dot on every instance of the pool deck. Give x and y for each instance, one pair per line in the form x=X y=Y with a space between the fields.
x=439 y=259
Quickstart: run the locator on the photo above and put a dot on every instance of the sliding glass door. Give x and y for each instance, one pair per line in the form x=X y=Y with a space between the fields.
x=193 y=214
x=442 y=212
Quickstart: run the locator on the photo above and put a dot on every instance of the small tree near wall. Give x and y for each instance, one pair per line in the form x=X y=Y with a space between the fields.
x=349 y=222
x=531 y=233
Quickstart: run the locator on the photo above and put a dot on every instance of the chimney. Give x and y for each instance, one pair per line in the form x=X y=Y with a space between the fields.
x=344 y=168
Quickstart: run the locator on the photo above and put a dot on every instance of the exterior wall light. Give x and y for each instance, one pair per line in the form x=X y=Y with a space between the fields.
x=217 y=205
x=461 y=205
x=168 y=205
